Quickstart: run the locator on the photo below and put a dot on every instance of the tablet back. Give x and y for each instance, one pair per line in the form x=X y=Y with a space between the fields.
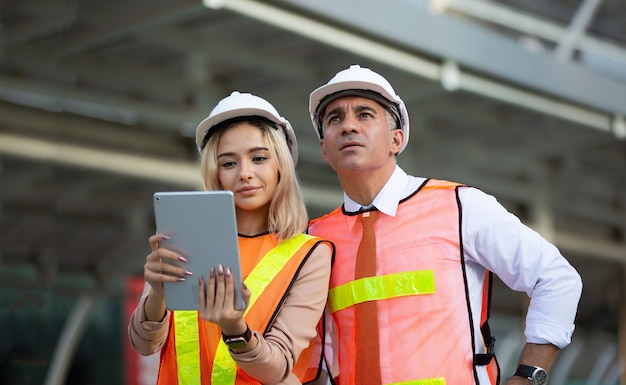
x=203 y=229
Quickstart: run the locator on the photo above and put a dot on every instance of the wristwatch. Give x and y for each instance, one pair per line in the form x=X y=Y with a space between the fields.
x=535 y=374
x=240 y=341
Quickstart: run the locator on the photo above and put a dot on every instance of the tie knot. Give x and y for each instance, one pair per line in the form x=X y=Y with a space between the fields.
x=369 y=217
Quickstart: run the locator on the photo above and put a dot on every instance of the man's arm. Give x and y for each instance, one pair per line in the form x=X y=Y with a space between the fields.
x=525 y=262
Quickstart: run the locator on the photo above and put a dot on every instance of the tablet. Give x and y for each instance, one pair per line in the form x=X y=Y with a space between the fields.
x=203 y=229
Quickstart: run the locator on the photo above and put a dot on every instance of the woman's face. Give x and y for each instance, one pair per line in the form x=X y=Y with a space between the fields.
x=246 y=167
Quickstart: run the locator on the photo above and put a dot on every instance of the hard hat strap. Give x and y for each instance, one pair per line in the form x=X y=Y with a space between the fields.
x=375 y=96
x=253 y=119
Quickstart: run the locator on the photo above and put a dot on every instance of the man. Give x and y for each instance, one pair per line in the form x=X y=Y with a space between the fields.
x=416 y=311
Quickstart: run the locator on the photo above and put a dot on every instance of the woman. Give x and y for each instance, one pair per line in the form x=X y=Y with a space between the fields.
x=249 y=149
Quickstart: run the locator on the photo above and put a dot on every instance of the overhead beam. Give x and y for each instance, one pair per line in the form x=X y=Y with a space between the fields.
x=119 y=24
x=229 y=50
x=186 y=174
x=94 y=104
x=419 y=31
x=152 y=26
x=416 y=27
x=182 y=173
x=576 y=29
x=42 y=123
x=589 y=246
x=514 y=19
x=26 y=31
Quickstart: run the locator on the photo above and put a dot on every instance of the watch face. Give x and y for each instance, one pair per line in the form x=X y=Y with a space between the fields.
x=236 y=342
x=540 y=377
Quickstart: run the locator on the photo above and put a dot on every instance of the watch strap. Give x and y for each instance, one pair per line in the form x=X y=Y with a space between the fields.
x=535 y=374
x=525 y=371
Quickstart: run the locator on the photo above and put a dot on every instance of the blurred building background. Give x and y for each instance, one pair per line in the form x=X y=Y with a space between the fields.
x=99 y=100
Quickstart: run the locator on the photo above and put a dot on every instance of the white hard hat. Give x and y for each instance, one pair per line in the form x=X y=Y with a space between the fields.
x=349 y=82
x=244 y=104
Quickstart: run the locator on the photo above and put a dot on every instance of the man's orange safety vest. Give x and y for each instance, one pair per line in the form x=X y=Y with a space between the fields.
x=426 y=333
x=189 y=357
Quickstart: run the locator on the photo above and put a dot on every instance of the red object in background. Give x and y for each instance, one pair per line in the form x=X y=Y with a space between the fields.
x=139 y=370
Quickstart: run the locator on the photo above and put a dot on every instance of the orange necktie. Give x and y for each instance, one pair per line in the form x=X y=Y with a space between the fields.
x=367 y=356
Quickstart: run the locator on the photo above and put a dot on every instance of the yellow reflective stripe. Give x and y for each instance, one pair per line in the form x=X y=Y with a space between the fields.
x=224 y=367
x=272 y=263
x=381 y=287
x=428 y=381
x=187 y=346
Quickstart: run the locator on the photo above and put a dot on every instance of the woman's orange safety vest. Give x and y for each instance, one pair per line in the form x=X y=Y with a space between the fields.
x=424 y=317
x=188 y=357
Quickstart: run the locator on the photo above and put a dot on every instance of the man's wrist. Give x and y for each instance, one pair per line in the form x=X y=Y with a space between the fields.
x=534 y=374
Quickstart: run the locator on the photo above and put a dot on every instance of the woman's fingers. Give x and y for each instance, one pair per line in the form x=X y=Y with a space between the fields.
x=202 y=295
x=163 y=265
x=219 y=298
x=206 y=297
x=246 y=294
x=164 y=276
x=156 y=239
x=220 y=288
x=164 y=262
x=211 y=288
x=229 y=292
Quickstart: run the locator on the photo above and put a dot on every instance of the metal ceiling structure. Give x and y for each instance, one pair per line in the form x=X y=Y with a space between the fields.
x=99 y=101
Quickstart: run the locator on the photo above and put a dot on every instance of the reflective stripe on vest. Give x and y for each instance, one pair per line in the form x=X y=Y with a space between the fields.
x=186 y=322
x=429 y=381
x=381 y=287
x=187 y=347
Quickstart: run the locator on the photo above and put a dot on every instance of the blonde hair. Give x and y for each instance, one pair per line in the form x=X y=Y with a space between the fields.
x=287 y=214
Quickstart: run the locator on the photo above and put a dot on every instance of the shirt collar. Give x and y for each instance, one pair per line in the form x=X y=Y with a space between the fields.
x=389 y=196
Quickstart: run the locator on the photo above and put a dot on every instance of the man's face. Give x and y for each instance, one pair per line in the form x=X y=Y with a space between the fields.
x=356 y=135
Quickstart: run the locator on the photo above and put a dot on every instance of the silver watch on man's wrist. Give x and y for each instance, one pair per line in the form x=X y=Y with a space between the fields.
x=535 y=374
